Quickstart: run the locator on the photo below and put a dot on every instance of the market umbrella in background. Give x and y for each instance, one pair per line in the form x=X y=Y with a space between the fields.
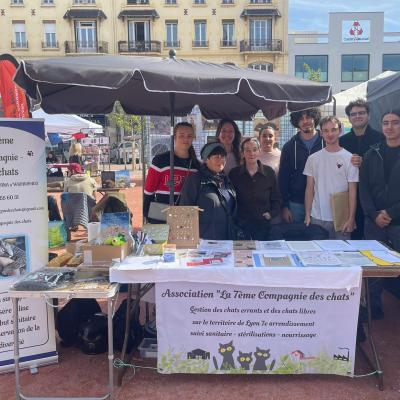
x=164 y=86
x=383 y=95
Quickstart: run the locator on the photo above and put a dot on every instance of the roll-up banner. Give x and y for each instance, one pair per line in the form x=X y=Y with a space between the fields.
x=23 y=240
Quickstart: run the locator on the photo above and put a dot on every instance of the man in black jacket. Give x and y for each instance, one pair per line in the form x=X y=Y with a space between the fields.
x=358 y=142
x=292 y=182
x=380 y=193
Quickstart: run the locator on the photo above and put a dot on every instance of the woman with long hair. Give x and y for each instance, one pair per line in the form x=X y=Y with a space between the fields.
x=229 y=135
x=269 y=155
x=75 y=153
x=185 y=163
x=257 y=193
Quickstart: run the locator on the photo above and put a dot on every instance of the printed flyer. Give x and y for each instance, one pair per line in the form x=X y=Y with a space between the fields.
x=23 y=239
x=214 y=328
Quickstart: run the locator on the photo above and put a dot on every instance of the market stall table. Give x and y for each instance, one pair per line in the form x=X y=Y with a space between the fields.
x=77 y=291
x=196 y=276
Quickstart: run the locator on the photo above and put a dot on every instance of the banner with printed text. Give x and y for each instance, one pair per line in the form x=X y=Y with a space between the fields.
x=213 y=328
x=23 y=239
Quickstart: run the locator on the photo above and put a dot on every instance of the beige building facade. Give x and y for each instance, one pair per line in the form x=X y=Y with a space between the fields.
x=244 y=32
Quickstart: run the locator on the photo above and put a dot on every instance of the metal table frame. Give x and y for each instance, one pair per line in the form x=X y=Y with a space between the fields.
x=375 y=272
x=110 y=295
x=368 y=272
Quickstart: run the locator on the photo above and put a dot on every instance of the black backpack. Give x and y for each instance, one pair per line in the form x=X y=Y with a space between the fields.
x=71 y=316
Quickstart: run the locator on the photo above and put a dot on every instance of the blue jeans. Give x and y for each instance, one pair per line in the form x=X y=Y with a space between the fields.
x=298 y=211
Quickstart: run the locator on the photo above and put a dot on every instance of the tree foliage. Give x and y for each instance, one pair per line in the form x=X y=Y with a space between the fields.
x=312 y=74
x=130 y=124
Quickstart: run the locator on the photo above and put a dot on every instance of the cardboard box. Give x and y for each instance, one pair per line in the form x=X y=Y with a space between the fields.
x=74 y=247
x=103 y=252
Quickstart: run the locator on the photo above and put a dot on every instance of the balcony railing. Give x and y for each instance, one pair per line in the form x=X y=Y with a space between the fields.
x=200 y=43
x=147 y=46
x=50 y=45
x=19 y=45
x=261 y=45
x=175 y=44
x=86 y=47
x=228 y=43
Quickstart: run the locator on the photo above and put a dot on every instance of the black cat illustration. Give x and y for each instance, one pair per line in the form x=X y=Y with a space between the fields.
x=261 y=357
x=226 y=351
x=245 y=360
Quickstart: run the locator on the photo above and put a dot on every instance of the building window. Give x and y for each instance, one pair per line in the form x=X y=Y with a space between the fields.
x=199 y=1
x=200 y=38
x=171 y=28
x=47 y=2
x=316 y=63
x=49 y=29
x=170 y=1
x=19 y=35
x=260 y=32
x=139 y=36
x=84 y=2
x=391 y=62
x=86 y=36
x=260 y=1
x=228 y=33
x=268 y=67
x=138 y=1
x=228 y=2
x=355 y=68
x=17 y=2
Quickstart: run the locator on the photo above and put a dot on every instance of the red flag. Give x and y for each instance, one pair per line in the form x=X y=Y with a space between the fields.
x=13 y=97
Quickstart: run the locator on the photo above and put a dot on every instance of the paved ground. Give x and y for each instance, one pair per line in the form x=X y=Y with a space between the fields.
x=77 y=374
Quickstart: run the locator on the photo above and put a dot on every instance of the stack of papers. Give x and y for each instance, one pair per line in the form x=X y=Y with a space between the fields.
x=268 y=259
x=366 y=245
x=334 y=245
x=303 y=246
x=383 y=258
x=318 y=259
x=275 y=245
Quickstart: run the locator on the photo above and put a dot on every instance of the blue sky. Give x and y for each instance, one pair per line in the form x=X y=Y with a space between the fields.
x=312 y=15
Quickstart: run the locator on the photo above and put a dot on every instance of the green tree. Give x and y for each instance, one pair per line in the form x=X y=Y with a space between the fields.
x=312 y=74
x=130 y=124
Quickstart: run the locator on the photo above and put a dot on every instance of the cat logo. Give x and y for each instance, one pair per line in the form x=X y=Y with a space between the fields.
x=198 y=354
x=342 y=357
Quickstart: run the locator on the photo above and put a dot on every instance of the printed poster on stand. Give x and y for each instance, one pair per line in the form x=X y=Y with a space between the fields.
x=23 y=240
x=214 y=328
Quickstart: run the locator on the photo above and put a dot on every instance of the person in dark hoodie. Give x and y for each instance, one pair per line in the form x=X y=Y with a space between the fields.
x=292 y=182
x=210 y=190
x=358 y=142
x=380 y=195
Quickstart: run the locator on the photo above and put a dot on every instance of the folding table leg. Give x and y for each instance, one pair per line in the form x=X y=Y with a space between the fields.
x=16 y=349
x=374 y=363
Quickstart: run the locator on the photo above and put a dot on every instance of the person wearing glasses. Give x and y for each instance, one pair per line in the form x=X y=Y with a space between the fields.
x=357 y=142
x=269 y=154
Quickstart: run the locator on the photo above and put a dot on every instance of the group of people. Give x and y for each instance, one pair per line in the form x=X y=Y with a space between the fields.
x=249 y=184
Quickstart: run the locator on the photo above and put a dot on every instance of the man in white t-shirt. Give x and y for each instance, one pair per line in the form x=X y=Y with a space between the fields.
x=330 y=171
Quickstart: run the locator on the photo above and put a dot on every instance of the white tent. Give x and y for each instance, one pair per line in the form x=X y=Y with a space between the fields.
x=359 y=91
x=66 y=124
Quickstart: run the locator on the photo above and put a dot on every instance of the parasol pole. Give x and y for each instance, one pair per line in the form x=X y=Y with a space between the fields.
x=171 y=153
